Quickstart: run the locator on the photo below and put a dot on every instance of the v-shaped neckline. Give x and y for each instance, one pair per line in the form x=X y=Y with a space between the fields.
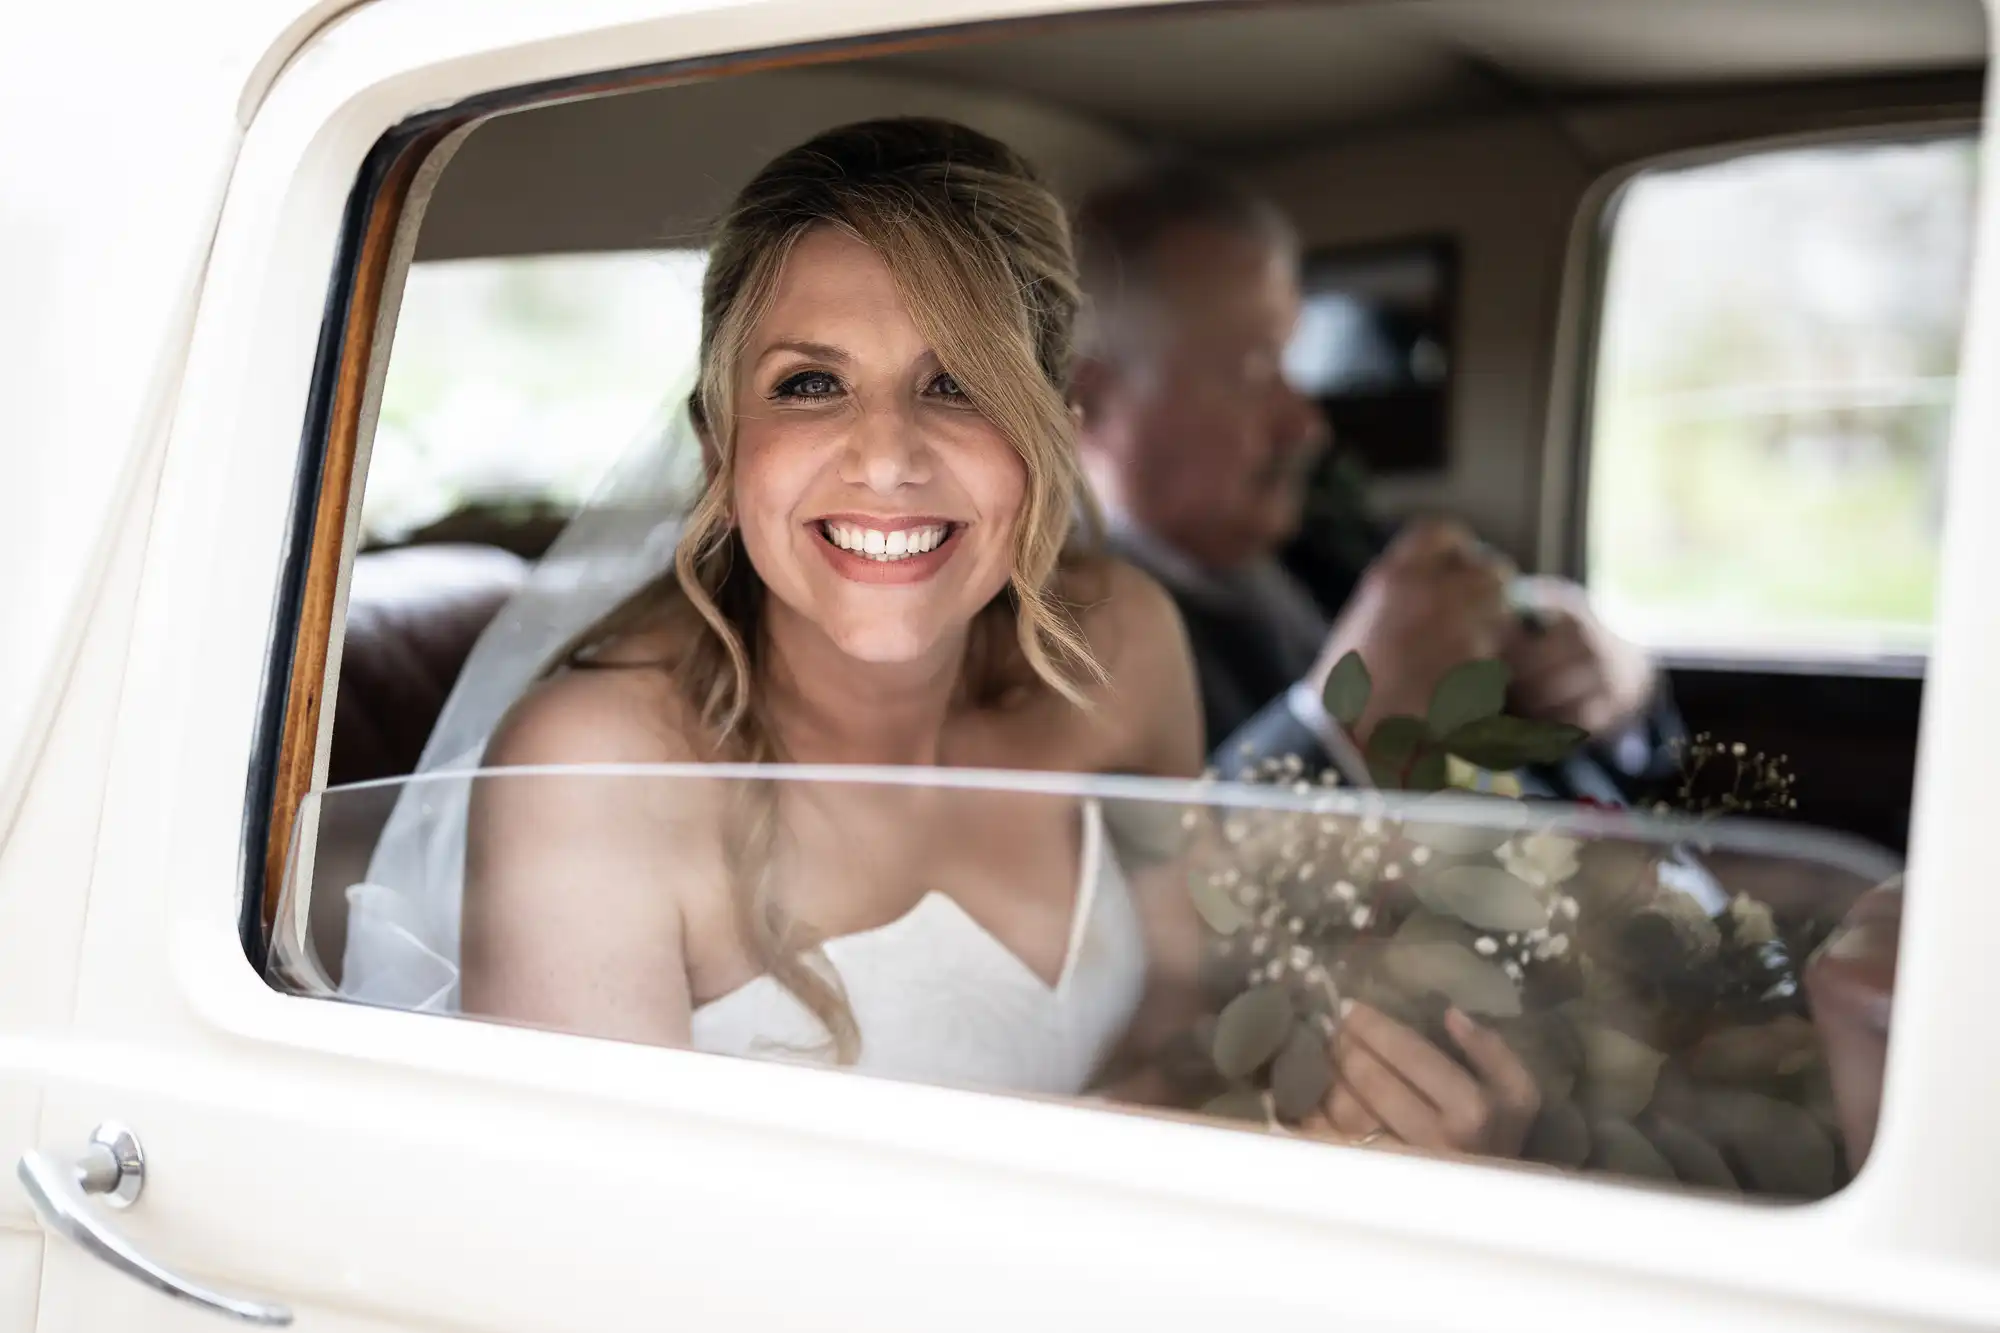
x=1082 y=903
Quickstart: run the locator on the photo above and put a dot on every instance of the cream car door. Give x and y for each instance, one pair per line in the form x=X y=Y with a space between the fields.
x=360 y=1169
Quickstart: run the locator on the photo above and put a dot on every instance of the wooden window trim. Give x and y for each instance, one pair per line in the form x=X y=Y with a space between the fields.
x=326 y=485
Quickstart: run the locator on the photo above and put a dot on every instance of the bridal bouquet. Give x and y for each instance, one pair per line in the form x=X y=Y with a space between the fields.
x=1668 y=1042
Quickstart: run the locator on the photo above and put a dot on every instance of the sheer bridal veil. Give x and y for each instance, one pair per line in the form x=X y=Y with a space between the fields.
x=403 y=919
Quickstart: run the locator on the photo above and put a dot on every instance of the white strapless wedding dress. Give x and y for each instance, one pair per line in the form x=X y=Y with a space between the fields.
x=935 y=996
x=938 y=998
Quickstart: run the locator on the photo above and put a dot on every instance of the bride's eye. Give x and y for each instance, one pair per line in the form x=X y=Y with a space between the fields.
x=946 y=386
x=807 y=384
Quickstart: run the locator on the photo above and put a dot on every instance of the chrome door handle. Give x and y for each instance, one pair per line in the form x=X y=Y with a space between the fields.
x=114 y=1168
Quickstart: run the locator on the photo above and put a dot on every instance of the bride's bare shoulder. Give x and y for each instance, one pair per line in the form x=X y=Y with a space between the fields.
x=1149 y=697
x=621 y=708
x=1121 y=608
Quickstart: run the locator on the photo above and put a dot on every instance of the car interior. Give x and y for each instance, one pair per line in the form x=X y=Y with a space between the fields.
x=1458 y=172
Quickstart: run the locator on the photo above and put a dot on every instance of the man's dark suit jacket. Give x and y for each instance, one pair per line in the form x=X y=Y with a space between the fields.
x=1246 y=664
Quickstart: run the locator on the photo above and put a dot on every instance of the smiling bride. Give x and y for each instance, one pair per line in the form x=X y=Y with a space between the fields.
x=879 y=568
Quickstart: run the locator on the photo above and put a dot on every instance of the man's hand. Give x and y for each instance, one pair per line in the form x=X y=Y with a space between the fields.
x=1389 y=1079
x=1435 y=599
x=1571 y=668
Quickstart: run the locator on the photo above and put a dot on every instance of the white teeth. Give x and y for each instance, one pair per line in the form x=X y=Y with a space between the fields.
x=877 y=544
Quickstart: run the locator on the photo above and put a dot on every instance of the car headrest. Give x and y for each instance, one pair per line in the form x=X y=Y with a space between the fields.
x=413 y=615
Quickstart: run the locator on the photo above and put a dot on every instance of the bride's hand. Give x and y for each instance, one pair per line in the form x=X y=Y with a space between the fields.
x=1389 y=1080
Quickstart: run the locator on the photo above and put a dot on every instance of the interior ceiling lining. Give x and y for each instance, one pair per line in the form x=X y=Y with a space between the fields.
x=1084 y=97
x=1221 y=78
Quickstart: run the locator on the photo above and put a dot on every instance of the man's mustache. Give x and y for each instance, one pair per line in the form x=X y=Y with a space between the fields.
x=1291 y=467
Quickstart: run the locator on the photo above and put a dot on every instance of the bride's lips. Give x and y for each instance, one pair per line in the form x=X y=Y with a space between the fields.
x=885 y=566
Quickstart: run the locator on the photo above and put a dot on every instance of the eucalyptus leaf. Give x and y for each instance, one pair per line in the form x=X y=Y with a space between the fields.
x=1560 y=1136
x=1380 y=991
x=1250 y=1029
x=1484 y=897
x=1462 y=976
x=1617 y=1146
x=1694 y=1159
x=1779 y=1147
x=1619 y=1071
x=1547 y=1044
x=1302 y=1074
x=1503 y=743
x=1468 y=692
x=1427 y=772
x=1222 y=913
x=1347 y=690
x=1424 y=926
x=1239 y=1103
x=1393 y=749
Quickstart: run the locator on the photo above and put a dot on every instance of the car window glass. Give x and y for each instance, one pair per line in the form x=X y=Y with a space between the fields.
x=1645 y=974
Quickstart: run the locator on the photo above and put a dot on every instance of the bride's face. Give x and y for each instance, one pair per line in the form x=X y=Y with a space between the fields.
x=874 y=500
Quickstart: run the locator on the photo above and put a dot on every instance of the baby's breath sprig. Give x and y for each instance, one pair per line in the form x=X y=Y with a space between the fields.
x=1720 y=778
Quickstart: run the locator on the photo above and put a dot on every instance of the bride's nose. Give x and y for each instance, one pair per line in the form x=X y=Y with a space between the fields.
x=886 y=452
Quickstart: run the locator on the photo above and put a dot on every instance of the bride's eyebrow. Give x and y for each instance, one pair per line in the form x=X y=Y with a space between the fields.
x=817 y=351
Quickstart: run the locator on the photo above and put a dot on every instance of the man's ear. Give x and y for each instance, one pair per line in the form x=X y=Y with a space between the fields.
x=1091 y=384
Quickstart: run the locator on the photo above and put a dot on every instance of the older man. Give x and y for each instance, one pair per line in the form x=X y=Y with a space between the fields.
x=1199 y=450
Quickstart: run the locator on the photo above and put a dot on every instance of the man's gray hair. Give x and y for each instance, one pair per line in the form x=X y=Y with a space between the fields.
x=1118 y=228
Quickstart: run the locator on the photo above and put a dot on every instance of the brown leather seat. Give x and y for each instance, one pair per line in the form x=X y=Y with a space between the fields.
x=413 y=615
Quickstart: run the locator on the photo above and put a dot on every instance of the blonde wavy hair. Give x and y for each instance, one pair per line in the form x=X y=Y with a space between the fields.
x=980 y=251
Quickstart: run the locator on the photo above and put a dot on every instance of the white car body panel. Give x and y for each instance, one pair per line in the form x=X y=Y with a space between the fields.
x=386 y=1171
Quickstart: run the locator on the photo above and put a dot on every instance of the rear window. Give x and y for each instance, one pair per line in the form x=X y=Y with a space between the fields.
x=1774 y=383
x=516 y=382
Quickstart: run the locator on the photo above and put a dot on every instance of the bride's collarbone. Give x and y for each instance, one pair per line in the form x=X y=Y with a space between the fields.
x=966 y=844
x=1048 y=735
x=1014 y=873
